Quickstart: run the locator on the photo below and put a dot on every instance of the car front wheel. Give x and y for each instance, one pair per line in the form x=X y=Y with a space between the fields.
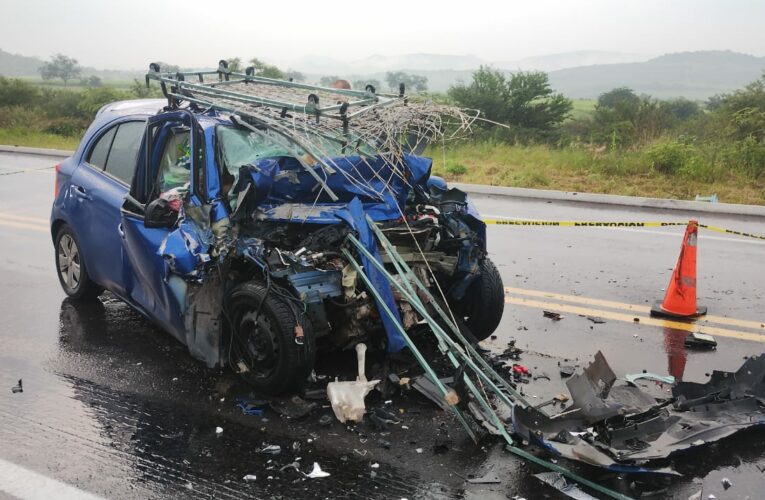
x=272 y=344
x=71 y=269
x=486 y=301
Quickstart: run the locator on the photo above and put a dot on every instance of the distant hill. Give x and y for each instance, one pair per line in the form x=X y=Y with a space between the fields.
x=380 y=64
x=18 y=65
x=552 y=62
x=695 y=75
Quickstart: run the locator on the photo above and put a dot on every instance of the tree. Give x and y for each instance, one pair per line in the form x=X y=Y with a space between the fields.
x=524 y=101
x=411 y=82
x=91 y=81
x=16 y=92
x=234 y=64
x=61 y=66
x=362 y=84
x=295 y=76
x=326 y=81
x=266 y=70
x=743 y=111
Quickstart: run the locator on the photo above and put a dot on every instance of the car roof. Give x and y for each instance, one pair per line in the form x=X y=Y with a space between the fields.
x=131 y=107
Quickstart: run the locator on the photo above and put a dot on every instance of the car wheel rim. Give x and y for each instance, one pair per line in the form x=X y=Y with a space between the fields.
x=260 y=347
x=69 y=262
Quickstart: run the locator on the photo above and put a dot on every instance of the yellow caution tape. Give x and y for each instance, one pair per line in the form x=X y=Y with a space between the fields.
x=730 y=231
x=627 y=224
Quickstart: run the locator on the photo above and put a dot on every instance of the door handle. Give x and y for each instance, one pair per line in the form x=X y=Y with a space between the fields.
x=80 y=192
x=121 y=229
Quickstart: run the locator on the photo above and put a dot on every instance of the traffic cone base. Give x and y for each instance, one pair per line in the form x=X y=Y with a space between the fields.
x=659 y=311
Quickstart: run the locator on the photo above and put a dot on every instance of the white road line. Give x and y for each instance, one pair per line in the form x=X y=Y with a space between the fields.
x=29 y=485
x=646 y=231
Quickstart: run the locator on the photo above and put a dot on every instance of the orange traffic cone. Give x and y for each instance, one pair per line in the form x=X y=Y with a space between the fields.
x=680 y=300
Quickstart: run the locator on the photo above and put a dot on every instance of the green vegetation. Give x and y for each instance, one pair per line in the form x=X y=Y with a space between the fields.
x=623 y=144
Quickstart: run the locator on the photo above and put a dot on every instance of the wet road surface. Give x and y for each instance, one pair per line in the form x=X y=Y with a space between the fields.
x=117 y=408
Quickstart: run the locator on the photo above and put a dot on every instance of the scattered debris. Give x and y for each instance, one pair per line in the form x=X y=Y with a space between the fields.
x=613 y=425
x=424 y=386
x=250 y=478
x=325 y=420
x=219 y=431
x=347 y=398
x=271 y=449
x=17 y=388
x=726 y=483
x=490 y=477
x=316 y=472
x=567 y=370
x=557 y=481
x=664 y=379
x=542 y=375
x=294 y=407
x=596 y=320
x=700 y=341
x=375 y=465
x=552 y=315
x=252 y=408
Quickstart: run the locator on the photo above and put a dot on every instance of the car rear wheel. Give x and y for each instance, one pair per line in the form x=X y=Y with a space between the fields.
x=272 y=344
x=486 y=303
x=71 y=269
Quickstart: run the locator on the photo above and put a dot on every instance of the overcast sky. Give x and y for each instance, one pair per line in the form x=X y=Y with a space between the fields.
x=127 y=34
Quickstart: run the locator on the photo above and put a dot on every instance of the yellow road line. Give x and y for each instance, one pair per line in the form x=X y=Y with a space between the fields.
x=23 y=225
x=23 y=218
x=757 y=325
x=629 y=318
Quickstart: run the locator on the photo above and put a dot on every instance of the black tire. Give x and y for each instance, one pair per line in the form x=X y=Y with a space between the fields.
x=487 y=301
x=71 y=269
x=265 y=350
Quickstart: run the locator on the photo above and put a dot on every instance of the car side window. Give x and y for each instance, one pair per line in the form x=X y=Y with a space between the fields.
x=123 y=155
x=175 y=163
x=100 y=151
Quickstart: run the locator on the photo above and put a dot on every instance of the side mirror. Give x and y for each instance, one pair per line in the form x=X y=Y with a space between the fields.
x=158 y=214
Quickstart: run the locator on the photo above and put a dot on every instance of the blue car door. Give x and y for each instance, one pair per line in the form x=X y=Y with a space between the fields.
x=159 y=293
x=98 y=188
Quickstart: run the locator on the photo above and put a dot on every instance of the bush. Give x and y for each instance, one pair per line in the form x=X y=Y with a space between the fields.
x=746 y=156
x=670 y=156
x=15 y=92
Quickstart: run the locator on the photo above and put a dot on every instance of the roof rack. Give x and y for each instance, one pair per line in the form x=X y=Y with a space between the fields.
x=324 y=122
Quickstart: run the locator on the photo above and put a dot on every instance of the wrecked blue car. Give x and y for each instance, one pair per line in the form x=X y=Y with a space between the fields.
x=223 y=214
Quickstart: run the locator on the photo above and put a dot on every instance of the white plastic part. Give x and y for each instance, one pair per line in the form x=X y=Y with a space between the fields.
x=316 y=472
x=347 y=398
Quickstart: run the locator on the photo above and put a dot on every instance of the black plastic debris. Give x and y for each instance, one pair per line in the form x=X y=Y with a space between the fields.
x=610 y=424
x=424 y=386
x=696 y=340
x=17 y=388
x=293 y=407
x=596 y=320
x=382 y=418
x=552 y=315
x=490 y=477
x=326 y=420
x=567 y=370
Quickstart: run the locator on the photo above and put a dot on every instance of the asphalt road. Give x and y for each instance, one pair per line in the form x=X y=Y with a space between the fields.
x=115 y=407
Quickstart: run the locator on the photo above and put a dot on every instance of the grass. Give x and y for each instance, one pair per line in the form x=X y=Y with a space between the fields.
x=19 y=137
x=583 y=108
x=583 y=170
